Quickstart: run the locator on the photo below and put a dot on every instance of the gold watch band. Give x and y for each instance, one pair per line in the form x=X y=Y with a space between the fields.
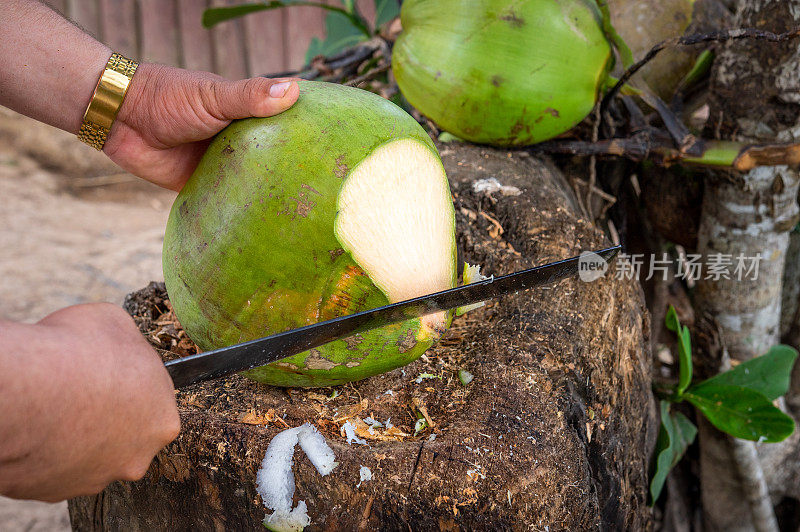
x=106 y=100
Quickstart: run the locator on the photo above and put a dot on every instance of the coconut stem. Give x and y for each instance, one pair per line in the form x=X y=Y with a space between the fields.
x=689 y=40
x=720 y=154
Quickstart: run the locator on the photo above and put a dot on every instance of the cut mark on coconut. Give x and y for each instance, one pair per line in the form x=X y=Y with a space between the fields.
x=275 y=480
x=395 y=217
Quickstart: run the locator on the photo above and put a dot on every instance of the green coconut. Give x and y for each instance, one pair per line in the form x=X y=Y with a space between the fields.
x=337 y=205
x=502 y=72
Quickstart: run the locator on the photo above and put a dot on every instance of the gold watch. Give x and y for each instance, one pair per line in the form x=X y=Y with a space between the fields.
x=106 y=100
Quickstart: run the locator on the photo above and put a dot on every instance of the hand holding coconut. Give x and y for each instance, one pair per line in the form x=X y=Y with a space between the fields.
x=169 y=116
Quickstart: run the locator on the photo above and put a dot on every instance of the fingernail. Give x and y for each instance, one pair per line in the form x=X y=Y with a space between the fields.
x=279 y=89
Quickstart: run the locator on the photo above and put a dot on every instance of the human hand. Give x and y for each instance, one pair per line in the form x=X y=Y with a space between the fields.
x=169 y=115
x=90 y=403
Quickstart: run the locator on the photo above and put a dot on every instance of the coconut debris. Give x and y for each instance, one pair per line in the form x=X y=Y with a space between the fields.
x=492 y=185
x=372 y=424
x=472 y=274
x=423 y=376
x=349 y=431
x=275 y=480
x=366 y=475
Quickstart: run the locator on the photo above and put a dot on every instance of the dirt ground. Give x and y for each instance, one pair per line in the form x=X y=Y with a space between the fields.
x=73 y=229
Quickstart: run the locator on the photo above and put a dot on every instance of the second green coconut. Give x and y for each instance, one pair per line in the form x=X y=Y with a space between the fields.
x=502 y=72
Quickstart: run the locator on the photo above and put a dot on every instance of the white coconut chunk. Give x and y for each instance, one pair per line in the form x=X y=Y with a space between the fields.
x=275 y=479
x=316 y=448
x=395 y=216
x=366 y=475
x=292 y=521
x=465 y=376
x=350 y=433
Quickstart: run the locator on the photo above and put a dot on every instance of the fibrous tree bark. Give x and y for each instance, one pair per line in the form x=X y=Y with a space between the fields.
x=554 y=431
x=745 y=220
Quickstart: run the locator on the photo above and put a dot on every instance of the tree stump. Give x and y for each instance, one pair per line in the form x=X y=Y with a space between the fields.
x=555 y=430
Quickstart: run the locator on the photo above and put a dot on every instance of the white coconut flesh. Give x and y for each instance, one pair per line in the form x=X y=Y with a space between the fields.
x=275 y=480
x=395 y=217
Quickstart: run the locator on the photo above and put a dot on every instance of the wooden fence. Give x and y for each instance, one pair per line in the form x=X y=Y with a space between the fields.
x=170 y=32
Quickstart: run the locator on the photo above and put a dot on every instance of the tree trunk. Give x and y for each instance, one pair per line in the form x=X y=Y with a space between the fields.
x=755 y=98
x=554 y=431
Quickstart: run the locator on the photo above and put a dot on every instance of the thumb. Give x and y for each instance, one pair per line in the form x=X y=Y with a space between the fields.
x=252 y=97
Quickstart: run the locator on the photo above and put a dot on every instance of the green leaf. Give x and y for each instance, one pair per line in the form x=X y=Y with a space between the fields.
x=741 y=412
x=612 y=35
x=684 y=349
x=340 y=34
x=768 y=374
x=700 y=68
x=674 y=437
x=385 y=10
x=215 y=15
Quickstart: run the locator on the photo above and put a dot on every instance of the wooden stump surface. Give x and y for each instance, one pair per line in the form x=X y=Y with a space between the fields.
x=554 y=431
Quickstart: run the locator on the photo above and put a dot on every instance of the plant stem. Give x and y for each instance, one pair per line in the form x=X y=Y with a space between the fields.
x=754 y=484
x=688 y=40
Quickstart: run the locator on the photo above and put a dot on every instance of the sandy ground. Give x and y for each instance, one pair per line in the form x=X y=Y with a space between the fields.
x=73 y=229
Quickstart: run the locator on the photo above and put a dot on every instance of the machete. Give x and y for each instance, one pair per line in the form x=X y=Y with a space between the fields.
x=227 y=360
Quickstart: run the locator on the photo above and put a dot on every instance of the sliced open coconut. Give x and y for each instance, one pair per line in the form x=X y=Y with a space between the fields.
x=407 y=251
x=338 y=205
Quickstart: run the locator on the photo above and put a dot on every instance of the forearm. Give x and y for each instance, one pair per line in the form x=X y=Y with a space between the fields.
x=48 y=66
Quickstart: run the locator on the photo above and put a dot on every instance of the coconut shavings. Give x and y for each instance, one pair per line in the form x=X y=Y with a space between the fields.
x=492 y=185
x=472 y=274
x=465 y=376
x=275 y=480
x=423 y=376
x=349 y=431
x=366 y=475
x=372 y=424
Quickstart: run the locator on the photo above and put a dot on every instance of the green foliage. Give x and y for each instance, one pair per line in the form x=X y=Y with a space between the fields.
x=738 y=402
x=674 y=437
x=344 y=25
x=769 y=374
x=684 y=349
x=699 y=69
x=385 y=10
x=611 y=34
x=215 y=15
x=340 y=34
x=741 y=412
